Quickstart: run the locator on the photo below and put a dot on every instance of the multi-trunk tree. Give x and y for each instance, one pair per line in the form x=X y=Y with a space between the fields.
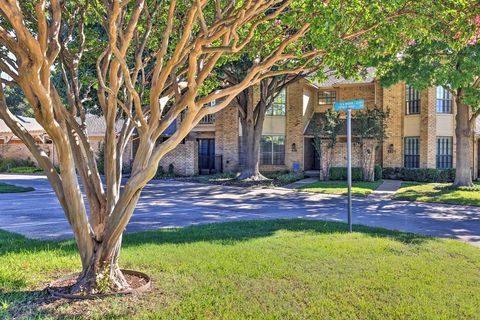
x=325 y=139
x=145 y=62
x=451 y=60
x=369 y=130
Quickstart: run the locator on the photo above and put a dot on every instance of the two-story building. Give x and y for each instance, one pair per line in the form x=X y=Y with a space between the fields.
x=420 y=130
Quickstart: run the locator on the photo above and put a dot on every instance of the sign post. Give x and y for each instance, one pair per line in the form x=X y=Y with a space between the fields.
x=348 y=106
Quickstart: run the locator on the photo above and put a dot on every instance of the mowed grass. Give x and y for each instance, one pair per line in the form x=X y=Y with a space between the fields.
x=10 y=188
x=282 y=269
x=439 y=192
x=359 y=188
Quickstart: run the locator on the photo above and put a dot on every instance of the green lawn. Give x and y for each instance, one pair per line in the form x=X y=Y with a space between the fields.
x=439 y=192
x=10 y=188
x=359 y=188
x=283 y=269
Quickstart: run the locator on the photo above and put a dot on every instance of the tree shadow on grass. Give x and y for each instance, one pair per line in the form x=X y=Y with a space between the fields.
x=231 y=232
x=221 y=232
x=38 y=304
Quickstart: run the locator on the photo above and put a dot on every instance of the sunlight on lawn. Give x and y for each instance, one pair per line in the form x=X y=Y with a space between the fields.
x=359 y=188
x=439 y=192
x=259 y=269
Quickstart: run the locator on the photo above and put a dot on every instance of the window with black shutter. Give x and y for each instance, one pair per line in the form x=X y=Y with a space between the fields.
x=444 y=152
x=412 y=152
x=412 y=100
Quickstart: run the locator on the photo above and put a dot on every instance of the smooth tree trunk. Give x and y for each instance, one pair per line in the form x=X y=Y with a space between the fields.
x=252 y=116
x=251 y=136
x=463 y=136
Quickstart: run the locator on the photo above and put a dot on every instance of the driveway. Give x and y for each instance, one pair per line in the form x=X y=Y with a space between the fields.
x=176 y=204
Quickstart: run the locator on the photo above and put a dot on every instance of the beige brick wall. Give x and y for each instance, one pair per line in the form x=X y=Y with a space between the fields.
x=226 y=138
x=428 y=128
x=21 y=152
x=294 y=126
x=394 y=101
x=184 y=158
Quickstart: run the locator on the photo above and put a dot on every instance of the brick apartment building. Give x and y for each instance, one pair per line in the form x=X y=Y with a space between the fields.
x=421 y=130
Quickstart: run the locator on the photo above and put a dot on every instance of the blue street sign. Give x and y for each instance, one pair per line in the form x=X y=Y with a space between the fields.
x=349 y=105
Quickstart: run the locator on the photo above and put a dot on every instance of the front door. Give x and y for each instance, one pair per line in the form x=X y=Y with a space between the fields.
x=206 y=156
x=316 y=159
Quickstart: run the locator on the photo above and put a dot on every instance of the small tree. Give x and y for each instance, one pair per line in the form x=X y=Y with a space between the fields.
x=325 y=133
x=369 y=130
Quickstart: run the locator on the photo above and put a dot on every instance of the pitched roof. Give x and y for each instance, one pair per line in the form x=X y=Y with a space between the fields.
x=95 y=125
x=332 y=80
x=29 y=123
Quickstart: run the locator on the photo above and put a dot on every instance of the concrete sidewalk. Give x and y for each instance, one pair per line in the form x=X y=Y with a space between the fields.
x=386 y=190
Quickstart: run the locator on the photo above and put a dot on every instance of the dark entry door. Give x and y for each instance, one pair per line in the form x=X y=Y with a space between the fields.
x=316 y=159
x=206 y=156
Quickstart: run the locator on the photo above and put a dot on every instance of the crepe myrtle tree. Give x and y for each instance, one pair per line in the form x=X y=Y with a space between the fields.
x=452 y=61
x=369 y=131
x=325 y=134
x=153 y=60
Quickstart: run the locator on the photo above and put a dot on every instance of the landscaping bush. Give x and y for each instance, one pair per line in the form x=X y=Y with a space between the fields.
x=419 y=175
x=7 y=164
x=162 y=174
x=171 y=169
x=290 y=177
x=378 y=172
x=340 y=173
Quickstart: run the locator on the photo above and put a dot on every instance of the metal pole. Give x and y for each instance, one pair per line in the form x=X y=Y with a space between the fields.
x=349 y=167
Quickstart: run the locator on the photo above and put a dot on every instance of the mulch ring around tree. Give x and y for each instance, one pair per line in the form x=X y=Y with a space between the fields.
x=139 y=282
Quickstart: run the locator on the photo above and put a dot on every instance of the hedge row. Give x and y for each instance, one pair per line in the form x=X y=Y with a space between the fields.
x=7 y=164
x=420 y=175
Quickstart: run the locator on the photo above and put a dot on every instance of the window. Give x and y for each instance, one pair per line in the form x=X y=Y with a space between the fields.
x=327 y=97
x=272 y=150
x=412 y=152
x=444 y=152
x=412 y=100
x=279 y=105
x=444 y=100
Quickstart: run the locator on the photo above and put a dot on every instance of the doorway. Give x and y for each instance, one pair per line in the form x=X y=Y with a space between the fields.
x=206 y=156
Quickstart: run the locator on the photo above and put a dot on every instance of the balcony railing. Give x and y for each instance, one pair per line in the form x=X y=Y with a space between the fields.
x=208 y=119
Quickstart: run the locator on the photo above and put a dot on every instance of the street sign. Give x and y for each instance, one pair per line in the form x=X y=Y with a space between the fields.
x=348 y=106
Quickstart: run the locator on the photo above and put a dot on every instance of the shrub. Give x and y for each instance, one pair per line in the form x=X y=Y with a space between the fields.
x=162 y=174
x=419 y=175
x=289 y=177
x=171 y=169
x=7 y=164
x=340 y=173
x=378 y=172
